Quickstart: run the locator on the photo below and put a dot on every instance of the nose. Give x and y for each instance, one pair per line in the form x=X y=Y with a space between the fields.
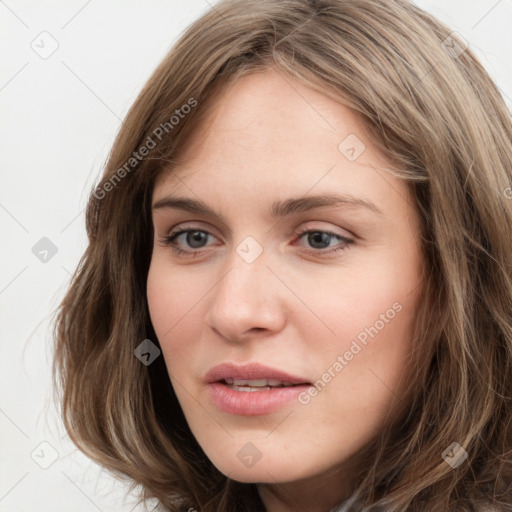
x=248 y=300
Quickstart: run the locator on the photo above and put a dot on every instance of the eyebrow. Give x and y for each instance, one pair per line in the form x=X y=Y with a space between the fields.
x=278 y=208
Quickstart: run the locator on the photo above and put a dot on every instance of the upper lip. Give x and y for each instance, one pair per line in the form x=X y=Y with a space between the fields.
x=251 y=371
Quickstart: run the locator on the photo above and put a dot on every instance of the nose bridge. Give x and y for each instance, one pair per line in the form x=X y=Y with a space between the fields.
x=242 y=284
x=246 y=295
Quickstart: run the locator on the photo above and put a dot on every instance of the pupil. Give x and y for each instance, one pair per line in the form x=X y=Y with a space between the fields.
x=194 y=238
x=319 y=237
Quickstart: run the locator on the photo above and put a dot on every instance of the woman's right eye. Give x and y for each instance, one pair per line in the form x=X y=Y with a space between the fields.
x=194 y=238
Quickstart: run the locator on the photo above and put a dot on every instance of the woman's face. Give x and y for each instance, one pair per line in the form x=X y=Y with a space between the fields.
x=302 y=265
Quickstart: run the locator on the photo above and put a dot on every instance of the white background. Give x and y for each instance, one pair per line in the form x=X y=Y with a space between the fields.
x=59 y=119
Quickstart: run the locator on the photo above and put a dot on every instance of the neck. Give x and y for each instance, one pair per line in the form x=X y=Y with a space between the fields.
x=318 y=494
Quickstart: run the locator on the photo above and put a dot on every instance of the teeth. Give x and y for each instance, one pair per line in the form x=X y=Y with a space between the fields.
x=257 y=383
x=248 y=388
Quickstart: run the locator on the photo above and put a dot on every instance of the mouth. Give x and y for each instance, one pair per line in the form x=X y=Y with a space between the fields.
x=252 y=389
x=256 y=385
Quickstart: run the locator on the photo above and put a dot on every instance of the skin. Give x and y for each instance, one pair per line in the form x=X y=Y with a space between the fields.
x=268 y=138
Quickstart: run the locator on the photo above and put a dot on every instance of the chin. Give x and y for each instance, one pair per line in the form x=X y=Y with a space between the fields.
x=263 y=474
x=274 y=469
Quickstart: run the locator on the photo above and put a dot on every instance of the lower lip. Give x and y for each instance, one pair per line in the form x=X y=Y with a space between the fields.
x=253 y=403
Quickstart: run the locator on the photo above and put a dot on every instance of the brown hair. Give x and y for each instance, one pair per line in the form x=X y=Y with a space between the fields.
x=430 y=106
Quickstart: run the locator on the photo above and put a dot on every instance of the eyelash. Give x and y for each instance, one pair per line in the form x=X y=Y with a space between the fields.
x=170 y=241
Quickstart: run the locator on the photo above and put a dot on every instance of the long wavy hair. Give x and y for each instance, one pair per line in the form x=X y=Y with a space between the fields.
x=430 y=106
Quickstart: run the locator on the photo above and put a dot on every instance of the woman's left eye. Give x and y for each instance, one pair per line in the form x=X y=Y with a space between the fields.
x=195 y=239
x=318 y=238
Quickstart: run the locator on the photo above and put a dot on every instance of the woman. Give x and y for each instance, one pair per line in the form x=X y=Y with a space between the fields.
x=297 y=293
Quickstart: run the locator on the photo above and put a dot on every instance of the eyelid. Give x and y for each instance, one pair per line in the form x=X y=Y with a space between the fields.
x=192 y=226
x=307 y=227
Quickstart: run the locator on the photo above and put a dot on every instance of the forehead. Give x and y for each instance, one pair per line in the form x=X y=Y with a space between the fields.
x=272 y=111
x=268 y=131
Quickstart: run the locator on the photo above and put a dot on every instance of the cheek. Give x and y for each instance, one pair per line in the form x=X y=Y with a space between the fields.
x=374 y=339
x=174 y=303
x=379 y=298
x=372 y=313
x=169 y=296
x=161 y=303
